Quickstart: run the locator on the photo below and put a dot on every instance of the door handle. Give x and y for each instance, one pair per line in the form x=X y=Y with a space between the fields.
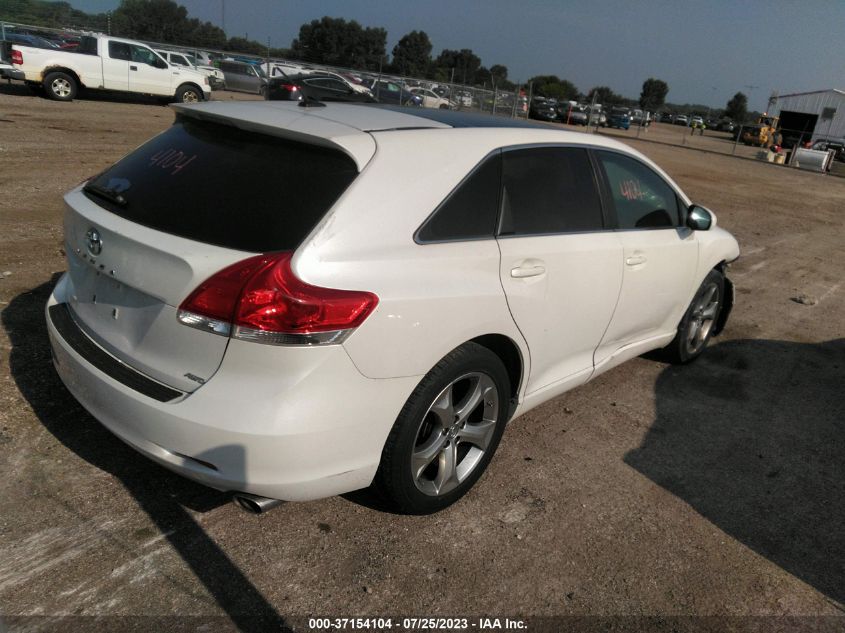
x=133 y=68
x=636 y=260
x=521 y=272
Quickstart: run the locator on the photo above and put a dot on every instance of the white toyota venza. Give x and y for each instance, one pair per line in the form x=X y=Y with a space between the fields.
x=295 y=302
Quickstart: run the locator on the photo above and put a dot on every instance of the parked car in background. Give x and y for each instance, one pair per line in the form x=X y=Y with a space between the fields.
x=243 y=77
x=107 y=63
x=680 y=119
x=576 y=116
x=619 y=118
x=696 y=121
x=250 y=339
x=726 y=125
x=543 y=109
x=317 y=86
x=666 y=117
x=836 y=145
x=431 y=99
x=31 y=40
x=216 y=79
x=386 y=91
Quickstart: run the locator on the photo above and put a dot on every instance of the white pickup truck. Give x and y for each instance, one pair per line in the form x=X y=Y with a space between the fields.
x=108 y=63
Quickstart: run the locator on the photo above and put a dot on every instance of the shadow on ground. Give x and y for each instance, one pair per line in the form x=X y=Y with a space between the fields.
x=752 y=435
x=162 y=495
x=19 y=89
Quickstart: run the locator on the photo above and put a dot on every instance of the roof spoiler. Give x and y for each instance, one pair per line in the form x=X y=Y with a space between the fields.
x=303 y=125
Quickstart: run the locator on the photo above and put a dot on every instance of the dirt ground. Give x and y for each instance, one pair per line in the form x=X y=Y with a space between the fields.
x=705 y=497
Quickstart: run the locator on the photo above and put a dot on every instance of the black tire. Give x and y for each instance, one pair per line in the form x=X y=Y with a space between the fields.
x=699 y=322
x=60 y=86
x=189 y=94
x=460 y=378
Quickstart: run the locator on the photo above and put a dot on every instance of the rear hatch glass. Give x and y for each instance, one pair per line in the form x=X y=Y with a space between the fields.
x=220 y=185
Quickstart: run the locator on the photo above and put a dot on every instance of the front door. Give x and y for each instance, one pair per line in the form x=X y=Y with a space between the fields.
x=146 y=74
x=660 y=255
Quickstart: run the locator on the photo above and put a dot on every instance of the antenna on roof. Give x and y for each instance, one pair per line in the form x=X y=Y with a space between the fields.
x=310 y=102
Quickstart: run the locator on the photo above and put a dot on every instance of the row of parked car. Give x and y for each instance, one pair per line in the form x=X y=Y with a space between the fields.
x=575 y=113
x=721 y=125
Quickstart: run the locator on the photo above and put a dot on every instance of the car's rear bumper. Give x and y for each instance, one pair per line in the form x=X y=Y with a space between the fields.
x=7 y=72
x=286 y=423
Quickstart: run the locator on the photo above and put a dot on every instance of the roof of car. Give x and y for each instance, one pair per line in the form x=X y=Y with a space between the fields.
x=349 y=126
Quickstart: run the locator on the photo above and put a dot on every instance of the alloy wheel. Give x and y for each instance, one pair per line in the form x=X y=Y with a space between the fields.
x=702 y=318
x=455 y=433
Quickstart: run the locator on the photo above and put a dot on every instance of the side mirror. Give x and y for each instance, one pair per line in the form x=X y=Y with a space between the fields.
x=699 y=218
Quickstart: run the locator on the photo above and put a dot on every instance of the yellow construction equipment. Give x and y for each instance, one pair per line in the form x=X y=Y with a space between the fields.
x=761 y=133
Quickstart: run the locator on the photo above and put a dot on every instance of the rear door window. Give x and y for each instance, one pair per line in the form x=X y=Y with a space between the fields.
x=549 y=190
x=220 y=185
x=469 y=212
x=120 y=50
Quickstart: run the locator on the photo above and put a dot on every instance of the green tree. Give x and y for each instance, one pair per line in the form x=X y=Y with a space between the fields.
x=243 y=45
x=553 y=87
x=653 y=95
x=335 y=41
x=412 y=54
x=605 y=96
x=152 y=20
x=737 y=108
x=464 y=62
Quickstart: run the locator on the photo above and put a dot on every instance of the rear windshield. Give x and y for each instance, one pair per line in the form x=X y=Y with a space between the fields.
x=216 y=184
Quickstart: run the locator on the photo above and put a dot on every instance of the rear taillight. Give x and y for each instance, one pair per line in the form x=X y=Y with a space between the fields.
x=260 y=299
x=288 y=87
x=17 y=57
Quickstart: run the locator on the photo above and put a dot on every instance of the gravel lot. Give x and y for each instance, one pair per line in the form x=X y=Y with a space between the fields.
x=654 y=498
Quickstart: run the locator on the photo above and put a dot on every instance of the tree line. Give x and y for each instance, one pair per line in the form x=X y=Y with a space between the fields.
x=335 y=42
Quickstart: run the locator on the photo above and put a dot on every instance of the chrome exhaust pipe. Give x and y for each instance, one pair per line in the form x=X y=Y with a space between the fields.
x=256 y=504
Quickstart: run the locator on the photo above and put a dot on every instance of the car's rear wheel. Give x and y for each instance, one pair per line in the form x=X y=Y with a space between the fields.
x=446 y=433
x=60 y=86
x=699 y=322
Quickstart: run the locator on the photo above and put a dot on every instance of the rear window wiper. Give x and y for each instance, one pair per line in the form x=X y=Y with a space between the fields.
x=106 y=194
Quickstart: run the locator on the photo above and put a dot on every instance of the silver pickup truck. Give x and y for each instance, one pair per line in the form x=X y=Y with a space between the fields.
x=108 y=63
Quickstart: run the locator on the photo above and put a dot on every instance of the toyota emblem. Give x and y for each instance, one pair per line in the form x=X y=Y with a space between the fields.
x=94 y=242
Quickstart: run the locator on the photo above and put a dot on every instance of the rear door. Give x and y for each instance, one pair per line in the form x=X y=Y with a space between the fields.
x=561 y=269
x=116 y=59
x=660 y=254
x=142 y=235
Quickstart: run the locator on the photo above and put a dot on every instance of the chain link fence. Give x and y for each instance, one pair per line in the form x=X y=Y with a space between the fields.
x=796 y=148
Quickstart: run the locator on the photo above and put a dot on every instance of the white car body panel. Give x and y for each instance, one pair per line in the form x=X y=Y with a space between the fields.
x=562 y=312
x=293 y=422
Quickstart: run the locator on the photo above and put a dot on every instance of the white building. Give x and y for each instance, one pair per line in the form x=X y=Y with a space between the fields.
x=820 y=113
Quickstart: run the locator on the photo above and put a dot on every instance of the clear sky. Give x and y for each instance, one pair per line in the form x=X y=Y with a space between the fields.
x=706 y=50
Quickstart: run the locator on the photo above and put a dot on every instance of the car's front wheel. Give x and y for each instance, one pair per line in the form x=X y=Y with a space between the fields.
x=189 y=94
x=446 y=433
x=699 y=322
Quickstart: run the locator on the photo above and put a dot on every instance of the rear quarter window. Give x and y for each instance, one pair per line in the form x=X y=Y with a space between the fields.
x=220 y=185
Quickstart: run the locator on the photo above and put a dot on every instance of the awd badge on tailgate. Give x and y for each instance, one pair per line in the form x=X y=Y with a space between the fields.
x=94 y=241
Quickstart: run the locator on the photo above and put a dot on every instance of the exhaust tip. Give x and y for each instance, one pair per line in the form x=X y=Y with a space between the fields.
x=255 y=504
